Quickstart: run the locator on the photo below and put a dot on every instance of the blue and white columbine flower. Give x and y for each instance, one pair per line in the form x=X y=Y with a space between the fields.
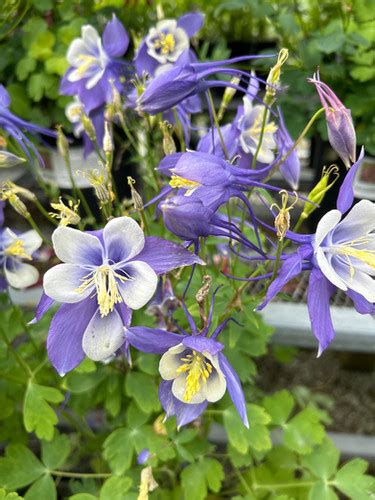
x=14 y=250
x=104 y=276
x=194 y=369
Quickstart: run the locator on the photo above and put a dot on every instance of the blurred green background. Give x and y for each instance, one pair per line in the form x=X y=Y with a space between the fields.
x=338 y=36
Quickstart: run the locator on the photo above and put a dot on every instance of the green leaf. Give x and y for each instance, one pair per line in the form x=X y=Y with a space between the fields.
x=236 y=431
x=35 y=86
x=303 y=431
x=9 y=496
x=24 y=67
x=38 y=415
x=196 y=478
x=321 y=491
x=279 y=406
x=353 y=482
x=19 y=467
x=55 y=453
x=83 y=496
x=118 y=450
x=43 y=488
x=142 y=389
x=41 y=47
x=363 y=73
x=115 y=487
x=323 y=461
x=56 y=65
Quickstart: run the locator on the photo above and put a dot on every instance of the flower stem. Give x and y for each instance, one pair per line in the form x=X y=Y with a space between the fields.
x=44 y=212
x=261 y=136
x=61 y=473
x=217 y=125
x=18 y=358
x=35 y=226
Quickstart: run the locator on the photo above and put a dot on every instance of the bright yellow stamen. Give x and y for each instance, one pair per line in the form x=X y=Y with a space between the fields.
x=166 y=43
x=198 y=370
x=104 y=279
x=349 y=250
x=256 y=128
x=17 y=249
x=179 y=182
x=87 y=62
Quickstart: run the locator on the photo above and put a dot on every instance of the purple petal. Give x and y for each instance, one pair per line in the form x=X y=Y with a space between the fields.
x=191 y=23
x=143 y=62
x=125 y=313
x=4 y=97
x=202 y=344
x=44 y=305
x=152 y=340
x=234 y=388
x=115 y=38
x=319 y=293
x=64 y=341
x=163 y=255
x=168 y=162
x=361 y=305
x=346 y=194
x=185 y=413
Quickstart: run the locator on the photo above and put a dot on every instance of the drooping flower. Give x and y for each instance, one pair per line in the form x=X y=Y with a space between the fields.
x=95 y=66
x=16 y=127
x=341 y=133
x=194 y=369
x=104 y=276
x=166 y=43
x=340 y=255
x=15 y=249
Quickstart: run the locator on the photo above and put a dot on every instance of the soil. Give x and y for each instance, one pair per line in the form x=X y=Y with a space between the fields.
x=347 y=378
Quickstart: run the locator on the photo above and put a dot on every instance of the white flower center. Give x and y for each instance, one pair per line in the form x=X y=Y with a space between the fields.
x=165 y=43
x=17 y=249
x=104 y=278
x=198 y=370
x=350 y=249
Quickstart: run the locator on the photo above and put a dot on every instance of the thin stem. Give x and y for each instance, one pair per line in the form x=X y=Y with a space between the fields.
x=76 y=190
x=180 y=132
x=60 y=473
x=44 y=212
x=35 y=226
x=129 y=135
x=280 y=245
x=18 y=358
x=217 y=125
x=261 y=136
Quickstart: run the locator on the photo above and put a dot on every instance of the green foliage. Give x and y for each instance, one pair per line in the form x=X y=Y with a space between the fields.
x=198 y=478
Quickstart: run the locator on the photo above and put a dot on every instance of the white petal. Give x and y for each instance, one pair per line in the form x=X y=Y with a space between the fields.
x=358 y=280
x=94 y=79
x=123 y=239
x=325 y=225
x=181 y=43
x=61 y=281
x=76 y=247
x=216 y=383
x=90 y=37
x=32 y=241
x=76 y=49
x=178 y=390
x=75 y=76
x=138 y=290
x=168 y=25
x=20 y=275
x=170 y=361
x=265 y=155
x=327 y=269
x=359 y=222
x=103 y=336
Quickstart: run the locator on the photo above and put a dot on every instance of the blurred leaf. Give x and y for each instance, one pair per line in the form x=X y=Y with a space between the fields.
x=43 y=488
x=24 y=67
x=118 y=450
x=143 y=390
x=114 y=488
x=55 y=453
x=304 y=431
x=353 y=482
x=8 y=496
x=38 y=415
x=321 y=491
x=198 y=477
x=41 y=47
x=323 y=461
x=19 y=467
x=279 y=406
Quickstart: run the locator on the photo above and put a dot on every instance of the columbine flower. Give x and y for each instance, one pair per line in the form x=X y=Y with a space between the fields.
x=94 y=64
x=341 y=133
x=15 y=126
x=104 y=275
x=341 y=254
x=194 y=369
x=167 y=42
x=14 y=250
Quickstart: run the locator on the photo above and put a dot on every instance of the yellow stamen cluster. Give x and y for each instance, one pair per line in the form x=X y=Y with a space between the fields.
x=282 y=219
x=66 y=214
x=198 y=370
x=104 y=278
x=179 y=182
x=166 y=43
x=256 y=128
x=17 y=249
x=349 y=250
x=86 y=62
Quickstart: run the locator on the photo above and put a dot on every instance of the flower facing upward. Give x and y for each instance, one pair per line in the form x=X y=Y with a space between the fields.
x=104 y=275
x=14 y=249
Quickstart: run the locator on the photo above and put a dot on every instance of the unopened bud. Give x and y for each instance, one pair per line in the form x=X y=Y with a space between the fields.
x=273 y=79
x=8 y=159
x=62 y=143
x=18 y=205
x=169 y=146
x=282 y=219
x=8 y=188
x=66 y=214
x=228 y=96
x=318 y=192
x=107 y=139
x=136 y=197
x=88 y=127
x=159 y=426
x=98 y=181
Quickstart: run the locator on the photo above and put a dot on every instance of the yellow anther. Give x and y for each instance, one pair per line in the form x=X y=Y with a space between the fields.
x=17 y=249
x=104 y=278
x=66 y=214
x=166 y=43
x=282 y=220
x=179 y=182
x=86 y=62
x=198 y=370
x=349 y=250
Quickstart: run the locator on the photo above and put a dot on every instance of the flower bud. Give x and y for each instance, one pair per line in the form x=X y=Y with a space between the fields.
x=273 y=79
x=136 y=197
x=18 y=205
x=228 y=96
x=107 y=139
x=8 y=159
x=341 y=132
x=318 y=192
x=88 y=127
x=62 y=143
x=8 y=188
x=169 y=147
